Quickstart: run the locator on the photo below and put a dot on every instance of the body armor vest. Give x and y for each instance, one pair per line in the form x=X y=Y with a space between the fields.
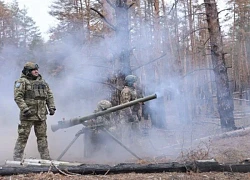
x=36 y=90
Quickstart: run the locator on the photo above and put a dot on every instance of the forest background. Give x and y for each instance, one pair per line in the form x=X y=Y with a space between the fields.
x=95 y=44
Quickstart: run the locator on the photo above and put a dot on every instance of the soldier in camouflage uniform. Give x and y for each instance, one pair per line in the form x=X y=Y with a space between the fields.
x=33 y=96
x=130 y=116
x=95 y=139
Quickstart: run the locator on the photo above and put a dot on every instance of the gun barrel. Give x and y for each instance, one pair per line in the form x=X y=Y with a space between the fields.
x=76 y=121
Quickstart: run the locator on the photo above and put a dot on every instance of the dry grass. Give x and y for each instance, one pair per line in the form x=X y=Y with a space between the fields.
x=201 y=152
x=137 y=176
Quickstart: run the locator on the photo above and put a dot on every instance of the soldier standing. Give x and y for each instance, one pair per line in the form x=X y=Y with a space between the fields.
x=33 y=96
x=130 y=116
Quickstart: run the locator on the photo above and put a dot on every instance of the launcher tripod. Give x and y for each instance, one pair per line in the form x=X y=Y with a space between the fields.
x=103 y=129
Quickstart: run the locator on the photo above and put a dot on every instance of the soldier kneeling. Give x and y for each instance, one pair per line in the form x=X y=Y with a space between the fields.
x=95 y=140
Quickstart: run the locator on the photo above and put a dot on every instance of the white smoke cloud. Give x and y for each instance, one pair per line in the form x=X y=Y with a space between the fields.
x=77 y=89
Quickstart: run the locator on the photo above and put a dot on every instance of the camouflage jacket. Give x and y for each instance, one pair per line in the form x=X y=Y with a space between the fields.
x=107 y=120
x=129 y=94
x=34 y=95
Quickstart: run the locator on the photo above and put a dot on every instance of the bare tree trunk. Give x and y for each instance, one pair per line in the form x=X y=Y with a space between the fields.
x=122 y=61
x=225 y=100
x=122 y=25
x=234 y=73
x=87 y=16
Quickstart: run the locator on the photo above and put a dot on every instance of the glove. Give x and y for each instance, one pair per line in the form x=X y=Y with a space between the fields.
x=52 y=111
x=27 y=113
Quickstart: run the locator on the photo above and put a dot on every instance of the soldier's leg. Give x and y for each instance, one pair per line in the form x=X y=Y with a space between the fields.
x=88 y=148
x=135 y=130
x=124 y=128
x=23 y=134
x=94 y=141
x=40 y=128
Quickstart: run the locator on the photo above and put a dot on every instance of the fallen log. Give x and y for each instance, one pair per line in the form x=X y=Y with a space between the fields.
x=39 y=162
x=97 y=169
x=198 y=166
x=94 y=169
x=211 y=165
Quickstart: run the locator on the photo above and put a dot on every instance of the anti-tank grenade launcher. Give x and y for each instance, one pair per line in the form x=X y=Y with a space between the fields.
x=80 y=120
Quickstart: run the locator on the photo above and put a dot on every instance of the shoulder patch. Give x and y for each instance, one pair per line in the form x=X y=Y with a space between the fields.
x=18 y=84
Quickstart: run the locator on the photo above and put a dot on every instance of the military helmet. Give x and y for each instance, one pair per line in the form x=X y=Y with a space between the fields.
x=103 y=105
x=31 y=66
x=130 y=80
x=28 y=67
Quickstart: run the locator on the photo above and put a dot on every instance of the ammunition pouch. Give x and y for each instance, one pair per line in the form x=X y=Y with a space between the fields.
x=39 y=90
x=36 y=90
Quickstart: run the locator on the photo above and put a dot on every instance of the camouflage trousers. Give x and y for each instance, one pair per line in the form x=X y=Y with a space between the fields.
x=24 y=128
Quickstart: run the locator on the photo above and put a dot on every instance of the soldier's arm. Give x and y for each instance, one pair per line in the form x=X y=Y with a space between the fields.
x=50 y=99
x=19 y=91
x=144 y=106
x=125 y=98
